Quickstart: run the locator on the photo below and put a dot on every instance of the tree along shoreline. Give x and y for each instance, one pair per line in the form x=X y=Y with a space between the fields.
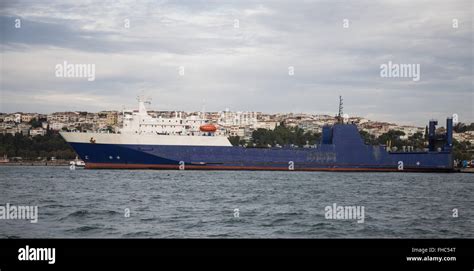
x=19 y=147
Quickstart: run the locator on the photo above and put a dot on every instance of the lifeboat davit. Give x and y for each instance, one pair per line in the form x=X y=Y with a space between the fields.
x=208 y=128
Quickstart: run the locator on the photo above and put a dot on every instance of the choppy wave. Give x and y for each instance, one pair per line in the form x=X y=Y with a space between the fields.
x=199 y=204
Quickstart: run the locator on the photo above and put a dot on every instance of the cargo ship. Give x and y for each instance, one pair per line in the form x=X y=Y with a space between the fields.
x=192 y=143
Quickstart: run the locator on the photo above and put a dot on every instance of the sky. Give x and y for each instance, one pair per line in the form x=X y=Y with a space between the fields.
x=266 y=56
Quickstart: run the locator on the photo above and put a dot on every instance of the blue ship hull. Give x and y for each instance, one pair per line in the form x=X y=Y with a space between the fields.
x=341 y=149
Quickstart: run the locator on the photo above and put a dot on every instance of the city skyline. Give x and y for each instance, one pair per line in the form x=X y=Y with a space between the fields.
x=269 y=57
x=155 y=110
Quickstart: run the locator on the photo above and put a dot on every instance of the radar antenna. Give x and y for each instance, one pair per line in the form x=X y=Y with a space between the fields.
x=143 y=98
x=340 y=114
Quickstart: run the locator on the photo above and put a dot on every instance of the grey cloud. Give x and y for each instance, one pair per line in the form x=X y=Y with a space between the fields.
x=246 y=68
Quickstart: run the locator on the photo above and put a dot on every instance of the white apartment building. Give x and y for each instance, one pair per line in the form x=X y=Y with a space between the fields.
x=56 y=126
x=37 y=131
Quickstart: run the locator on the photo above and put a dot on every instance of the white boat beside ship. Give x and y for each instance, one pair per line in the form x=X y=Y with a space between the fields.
x=77 y=163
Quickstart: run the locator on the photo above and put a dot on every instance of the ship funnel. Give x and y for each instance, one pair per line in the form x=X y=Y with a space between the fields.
x=449 y=134
x=432 y=135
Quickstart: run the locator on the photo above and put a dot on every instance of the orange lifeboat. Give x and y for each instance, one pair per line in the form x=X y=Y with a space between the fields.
x=208 y=128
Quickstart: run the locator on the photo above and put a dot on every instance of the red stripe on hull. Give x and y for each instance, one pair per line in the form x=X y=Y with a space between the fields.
x=205 y=167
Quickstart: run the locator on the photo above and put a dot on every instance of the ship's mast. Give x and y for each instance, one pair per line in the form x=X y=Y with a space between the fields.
x=142 y=100
x=339 y=115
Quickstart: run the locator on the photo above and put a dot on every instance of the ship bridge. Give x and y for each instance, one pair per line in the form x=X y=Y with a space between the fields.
x=142 y=123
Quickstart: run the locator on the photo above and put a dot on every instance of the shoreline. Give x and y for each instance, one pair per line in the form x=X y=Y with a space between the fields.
x=36 y=163
x=466 y=170
x=66 y=163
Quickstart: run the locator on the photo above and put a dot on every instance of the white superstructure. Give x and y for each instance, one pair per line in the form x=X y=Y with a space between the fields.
x=141 y=128
x=142 y=123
